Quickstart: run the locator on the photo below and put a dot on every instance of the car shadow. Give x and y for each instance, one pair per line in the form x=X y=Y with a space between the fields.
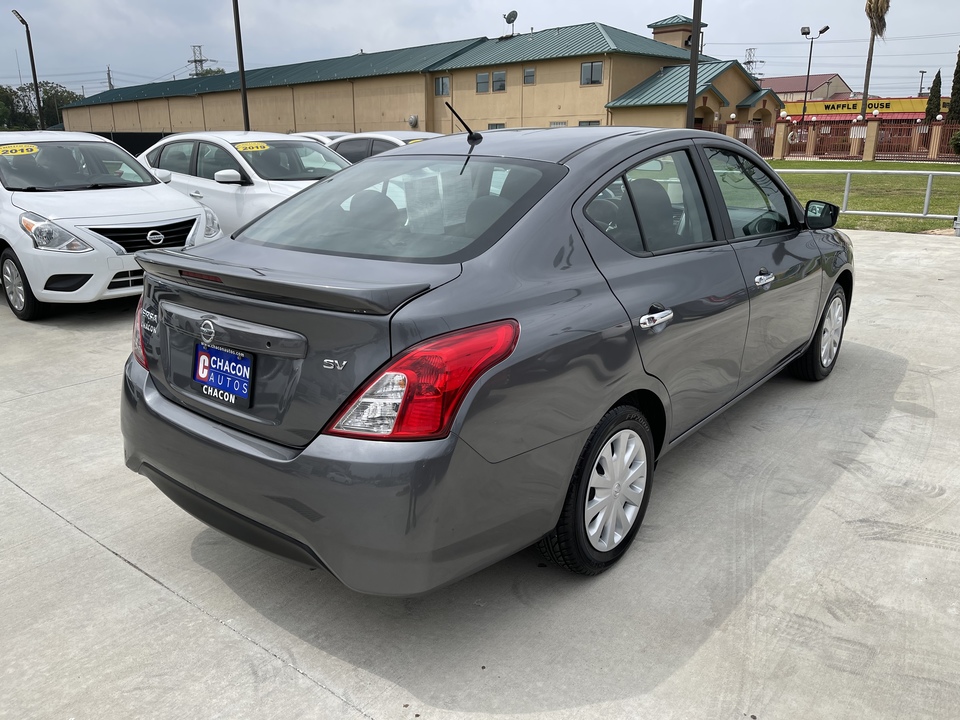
x=523 y=636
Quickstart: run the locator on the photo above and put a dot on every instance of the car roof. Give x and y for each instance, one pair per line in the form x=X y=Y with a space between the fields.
x=231 y=136
x=34 y=136
x=547 y=144
x=401 y=135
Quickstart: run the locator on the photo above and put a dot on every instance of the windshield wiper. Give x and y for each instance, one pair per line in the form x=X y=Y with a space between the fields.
x=32 y=188
x=93 y=186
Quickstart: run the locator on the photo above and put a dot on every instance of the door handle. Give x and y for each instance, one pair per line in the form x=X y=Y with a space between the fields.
x=654 y=319
x=196 y=194
x=764 y=278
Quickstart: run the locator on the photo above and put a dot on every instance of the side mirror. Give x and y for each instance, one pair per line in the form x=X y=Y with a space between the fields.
x=821 y=215
x=228 y=177
x=163 y=176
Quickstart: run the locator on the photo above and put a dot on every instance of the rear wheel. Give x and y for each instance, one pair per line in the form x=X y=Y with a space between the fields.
x=818 y=360
x=16 y=288
x=608 y=495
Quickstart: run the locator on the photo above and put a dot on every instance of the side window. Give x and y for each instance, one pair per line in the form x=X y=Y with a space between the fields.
x=153 y=156
x=664 y=194
x=354 y=150
x=669 y=203
x=754 y=203
x=612 y=211
x=175 y=157
x=213 y=158
x=380 y=146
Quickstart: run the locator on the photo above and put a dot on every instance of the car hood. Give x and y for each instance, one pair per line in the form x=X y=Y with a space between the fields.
x=107 y=202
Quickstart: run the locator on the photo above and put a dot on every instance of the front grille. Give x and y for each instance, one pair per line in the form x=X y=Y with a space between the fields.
x=132 y=239
x=127 y=278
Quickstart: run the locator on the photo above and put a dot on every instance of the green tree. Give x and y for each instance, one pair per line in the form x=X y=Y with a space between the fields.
x=953 y=112
x=53 y=96
x=208 y=71
x=933 y=100
x=876 y=11
x=13 y=115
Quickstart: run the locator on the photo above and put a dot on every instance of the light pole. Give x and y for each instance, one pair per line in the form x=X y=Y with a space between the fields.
x=922 y=73
x=33 y=67
x=243 y=80
x=805 y=31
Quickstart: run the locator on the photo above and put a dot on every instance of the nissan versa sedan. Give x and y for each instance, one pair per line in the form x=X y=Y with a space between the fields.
x=74 y=208
x=239 y=175
x=404 y=396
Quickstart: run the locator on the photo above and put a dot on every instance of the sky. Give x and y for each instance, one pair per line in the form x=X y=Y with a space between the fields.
x=144 y=40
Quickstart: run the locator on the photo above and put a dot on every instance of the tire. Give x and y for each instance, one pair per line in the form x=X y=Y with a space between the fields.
x=607 y=500
x=16 y=288
x=820 y=358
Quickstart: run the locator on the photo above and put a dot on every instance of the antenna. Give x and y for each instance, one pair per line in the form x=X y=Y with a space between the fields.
x=473 y=138
x=511 y=18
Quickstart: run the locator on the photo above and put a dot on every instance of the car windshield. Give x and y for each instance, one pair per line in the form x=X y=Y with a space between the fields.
x=69 y=165
x=291 y=159
x=409 y=208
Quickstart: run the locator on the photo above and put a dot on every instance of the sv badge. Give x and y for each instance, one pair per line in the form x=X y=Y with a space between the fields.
x=334 y=364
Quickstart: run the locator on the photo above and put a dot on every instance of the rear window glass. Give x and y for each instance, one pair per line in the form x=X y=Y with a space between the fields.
x=408 y=208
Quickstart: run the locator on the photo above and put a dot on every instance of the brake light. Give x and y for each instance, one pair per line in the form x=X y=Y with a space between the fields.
x=417 y=395
x=139 y=350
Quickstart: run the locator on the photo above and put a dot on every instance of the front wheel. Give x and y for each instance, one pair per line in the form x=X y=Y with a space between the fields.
x=819 y=359
x=608 y=495
x=16 y=288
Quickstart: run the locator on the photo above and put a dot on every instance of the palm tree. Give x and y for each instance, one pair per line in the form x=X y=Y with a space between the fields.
x=876 y=11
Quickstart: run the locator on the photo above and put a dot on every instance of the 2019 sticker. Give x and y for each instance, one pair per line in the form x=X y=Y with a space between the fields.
x=18 y=149
x=251 y=146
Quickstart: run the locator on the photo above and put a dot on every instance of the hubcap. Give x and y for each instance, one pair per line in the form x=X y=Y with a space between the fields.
x=13 y=285
x=831 y=333
x=615 y=490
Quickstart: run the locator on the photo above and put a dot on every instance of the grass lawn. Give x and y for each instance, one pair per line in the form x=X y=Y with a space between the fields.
x=879 y=193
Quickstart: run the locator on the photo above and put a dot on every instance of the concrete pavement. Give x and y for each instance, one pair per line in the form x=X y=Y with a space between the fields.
x=800 y=558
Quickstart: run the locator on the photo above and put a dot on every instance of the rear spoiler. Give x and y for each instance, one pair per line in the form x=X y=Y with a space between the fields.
x=278 y=286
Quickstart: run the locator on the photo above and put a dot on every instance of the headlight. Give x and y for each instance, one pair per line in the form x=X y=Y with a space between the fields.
x=50 y=236
x=211 y=224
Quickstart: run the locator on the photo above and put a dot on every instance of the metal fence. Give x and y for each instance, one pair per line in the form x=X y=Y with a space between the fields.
x=903 y=140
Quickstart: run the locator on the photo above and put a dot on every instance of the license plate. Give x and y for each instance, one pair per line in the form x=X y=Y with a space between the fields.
x=222 y=375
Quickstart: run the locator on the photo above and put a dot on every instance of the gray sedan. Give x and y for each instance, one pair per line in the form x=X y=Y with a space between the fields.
x=433 y=359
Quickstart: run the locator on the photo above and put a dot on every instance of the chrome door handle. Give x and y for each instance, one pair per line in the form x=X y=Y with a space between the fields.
x=764 y=279
x=654 y=319
x=196 y=194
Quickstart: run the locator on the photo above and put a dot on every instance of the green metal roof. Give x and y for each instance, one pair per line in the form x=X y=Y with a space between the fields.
x=570 y=41
x=752 y=100
x=671 y=85
x=673 y=21
x=389 y=62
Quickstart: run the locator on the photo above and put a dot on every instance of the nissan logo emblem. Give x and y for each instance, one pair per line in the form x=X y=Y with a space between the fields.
x=207 y=332
x=154 y=237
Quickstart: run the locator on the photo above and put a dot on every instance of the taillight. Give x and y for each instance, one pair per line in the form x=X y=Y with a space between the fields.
x=416 y=396
x=139 y=351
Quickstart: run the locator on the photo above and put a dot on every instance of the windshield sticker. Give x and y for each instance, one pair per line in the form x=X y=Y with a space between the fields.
x=252 y=146
x=18 y=149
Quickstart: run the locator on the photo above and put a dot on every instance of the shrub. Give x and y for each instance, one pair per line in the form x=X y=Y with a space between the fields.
x=955 y=142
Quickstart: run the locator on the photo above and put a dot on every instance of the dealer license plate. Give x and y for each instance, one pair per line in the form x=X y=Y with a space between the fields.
x=222 y=375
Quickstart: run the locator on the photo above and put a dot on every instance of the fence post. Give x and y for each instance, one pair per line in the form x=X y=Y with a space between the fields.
x=811 y=139
x=780 y=144
x=936 y=132
x=732 y=129
x=872 y=139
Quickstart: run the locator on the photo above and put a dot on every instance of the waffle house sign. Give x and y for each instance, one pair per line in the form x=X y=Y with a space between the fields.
x=912 y=106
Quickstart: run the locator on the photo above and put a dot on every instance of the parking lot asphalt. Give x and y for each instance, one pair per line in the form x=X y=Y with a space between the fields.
x=800 y=558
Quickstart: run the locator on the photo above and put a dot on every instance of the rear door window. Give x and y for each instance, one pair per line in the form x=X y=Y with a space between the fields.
x=354 y=150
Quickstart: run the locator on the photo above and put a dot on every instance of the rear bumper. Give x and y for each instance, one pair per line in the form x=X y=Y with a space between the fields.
x=385 y=518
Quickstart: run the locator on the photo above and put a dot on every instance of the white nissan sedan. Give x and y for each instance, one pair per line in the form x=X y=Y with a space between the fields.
x=240 y=175
x=74 y=208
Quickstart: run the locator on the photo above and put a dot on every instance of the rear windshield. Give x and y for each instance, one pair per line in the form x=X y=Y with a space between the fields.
x=412 y=208
x=54 y=166
x=294 y=159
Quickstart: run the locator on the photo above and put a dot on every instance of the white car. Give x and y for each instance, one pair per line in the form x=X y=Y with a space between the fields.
x=323 y=136
x=358 y=146
x=240 y=175
x=74 y=208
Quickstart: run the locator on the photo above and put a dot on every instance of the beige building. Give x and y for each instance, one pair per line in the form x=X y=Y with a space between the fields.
x=590 y=74
x=820 y=87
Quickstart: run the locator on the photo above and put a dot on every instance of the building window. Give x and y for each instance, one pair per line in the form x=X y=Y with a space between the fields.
x=529 y=76
x=558 y=123
x=591 y=73
x=496 y=126
x=499 y=80
x=483 y=82
x=589 y=123
x=441 y=86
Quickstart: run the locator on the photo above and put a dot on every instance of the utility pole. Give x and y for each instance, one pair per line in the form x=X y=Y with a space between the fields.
x=694 y=61
x=198 y=60
x=752 y=64
x=243 y=81
x=109 y=79
x=922 y=73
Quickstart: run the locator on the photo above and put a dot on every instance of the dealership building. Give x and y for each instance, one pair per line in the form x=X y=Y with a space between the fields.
x=590 y=74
